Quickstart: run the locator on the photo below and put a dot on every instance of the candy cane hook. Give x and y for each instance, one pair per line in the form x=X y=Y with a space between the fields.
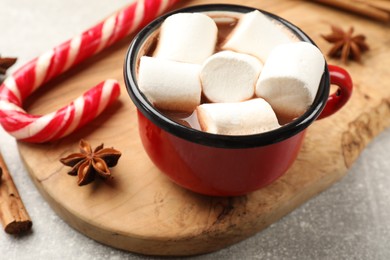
x=18 y=86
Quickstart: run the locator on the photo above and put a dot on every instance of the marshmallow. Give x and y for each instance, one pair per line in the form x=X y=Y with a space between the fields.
x=170 y=85
x=257 y=35
x=230 y=76
x=187 y=37
x=242 y=118
x=290 y=78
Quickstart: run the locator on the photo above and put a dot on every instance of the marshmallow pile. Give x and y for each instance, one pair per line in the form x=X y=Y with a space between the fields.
x=260 y=72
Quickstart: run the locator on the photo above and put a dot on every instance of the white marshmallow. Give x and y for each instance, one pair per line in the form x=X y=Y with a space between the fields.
x=242 y=118
x=257 y=35
x=290 y=78
x=187 y=37
x=170 y=85
x=230 y=76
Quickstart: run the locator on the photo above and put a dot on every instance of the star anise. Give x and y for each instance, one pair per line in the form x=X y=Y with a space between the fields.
x=89 y=163
x=5 y=63
x=345 y=44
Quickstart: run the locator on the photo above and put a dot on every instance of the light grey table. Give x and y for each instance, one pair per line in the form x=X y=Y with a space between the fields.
x=351 y=220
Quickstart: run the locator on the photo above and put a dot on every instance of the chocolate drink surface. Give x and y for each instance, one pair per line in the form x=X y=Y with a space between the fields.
x=226 y=23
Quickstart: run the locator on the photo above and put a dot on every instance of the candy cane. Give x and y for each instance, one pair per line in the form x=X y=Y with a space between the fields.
x=17 y=87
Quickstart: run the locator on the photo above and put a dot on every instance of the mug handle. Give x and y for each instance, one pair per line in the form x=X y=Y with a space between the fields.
x=341 y=78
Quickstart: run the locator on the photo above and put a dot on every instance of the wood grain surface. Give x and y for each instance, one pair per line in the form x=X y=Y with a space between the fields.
x=140 y=210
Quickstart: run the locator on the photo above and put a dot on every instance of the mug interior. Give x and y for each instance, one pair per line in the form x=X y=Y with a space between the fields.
x=216 y=140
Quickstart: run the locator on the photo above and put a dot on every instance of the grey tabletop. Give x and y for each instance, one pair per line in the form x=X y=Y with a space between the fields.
x=350 y=220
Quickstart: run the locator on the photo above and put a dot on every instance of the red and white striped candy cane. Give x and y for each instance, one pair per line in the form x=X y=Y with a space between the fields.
x=17 y=87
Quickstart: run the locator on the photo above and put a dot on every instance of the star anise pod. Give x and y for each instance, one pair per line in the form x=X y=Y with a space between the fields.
x=5 y=63
x=345 y=44
x=88 y=163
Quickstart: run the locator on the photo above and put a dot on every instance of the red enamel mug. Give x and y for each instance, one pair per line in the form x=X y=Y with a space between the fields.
x=222 y=165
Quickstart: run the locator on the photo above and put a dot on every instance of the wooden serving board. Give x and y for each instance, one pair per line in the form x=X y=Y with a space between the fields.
x=140 y=210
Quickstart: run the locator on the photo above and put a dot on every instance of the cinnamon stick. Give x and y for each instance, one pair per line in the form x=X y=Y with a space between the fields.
x=359 y=8
x=382 y=5
x=13 y=215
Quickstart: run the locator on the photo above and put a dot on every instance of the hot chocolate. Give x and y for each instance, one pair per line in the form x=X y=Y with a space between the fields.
x=228 y=27
x=224 y=164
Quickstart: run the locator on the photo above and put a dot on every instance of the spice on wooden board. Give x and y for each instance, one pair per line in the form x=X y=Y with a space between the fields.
x=346 y=45
x=88 y=163
x=13 y=215
x=365 y=8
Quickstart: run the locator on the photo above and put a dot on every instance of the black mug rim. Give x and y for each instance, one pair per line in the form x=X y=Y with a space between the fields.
x=217 y=140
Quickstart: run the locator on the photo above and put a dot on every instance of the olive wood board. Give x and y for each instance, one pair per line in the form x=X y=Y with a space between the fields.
x=141 y=210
